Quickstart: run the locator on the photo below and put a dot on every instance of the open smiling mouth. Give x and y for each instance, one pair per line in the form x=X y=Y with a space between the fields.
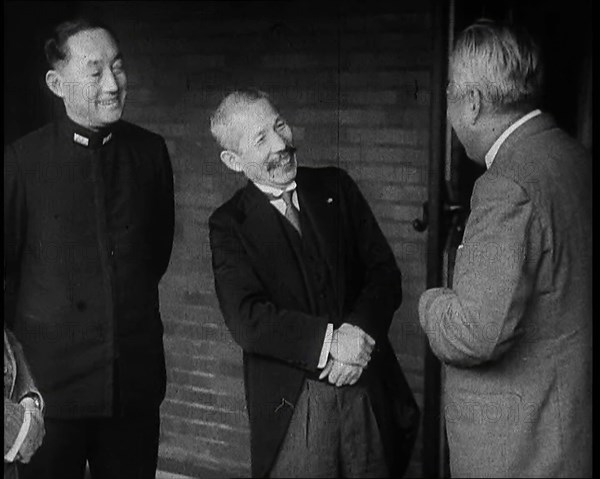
x=109 y=103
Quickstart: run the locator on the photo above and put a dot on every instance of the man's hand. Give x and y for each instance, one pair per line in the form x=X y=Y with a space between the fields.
x=341 y=374
x=351 y=345
x=34 y=437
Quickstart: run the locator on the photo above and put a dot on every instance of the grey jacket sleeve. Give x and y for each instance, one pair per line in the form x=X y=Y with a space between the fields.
x=478 y=319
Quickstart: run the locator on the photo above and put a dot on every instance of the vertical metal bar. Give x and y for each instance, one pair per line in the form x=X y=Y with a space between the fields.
x=448 y=151
x=444 y=469
x=437 y=148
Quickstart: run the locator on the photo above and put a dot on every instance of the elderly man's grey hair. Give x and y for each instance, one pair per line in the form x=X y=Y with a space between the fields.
x=500 y=61
x=221 y=125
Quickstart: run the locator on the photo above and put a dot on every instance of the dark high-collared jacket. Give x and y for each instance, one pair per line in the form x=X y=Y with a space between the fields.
x=88 y=232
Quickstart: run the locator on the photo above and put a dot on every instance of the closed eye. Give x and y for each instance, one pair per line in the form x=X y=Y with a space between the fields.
x=118 y=66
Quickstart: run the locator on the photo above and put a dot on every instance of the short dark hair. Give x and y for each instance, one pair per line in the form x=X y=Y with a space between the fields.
x=55 y=47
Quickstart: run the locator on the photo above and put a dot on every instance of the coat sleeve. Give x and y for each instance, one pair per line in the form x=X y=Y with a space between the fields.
x=24 y=381
x=14 y=415
x=165 y=212
x=24 y=384
x=256 y=323
x=381 y=293
x=478 y=320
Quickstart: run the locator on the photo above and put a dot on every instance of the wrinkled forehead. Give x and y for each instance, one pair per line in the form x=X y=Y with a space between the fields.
x=250 y=118
x=92 y=45
x=253 y=112
x=460 y=75
x=454 y=69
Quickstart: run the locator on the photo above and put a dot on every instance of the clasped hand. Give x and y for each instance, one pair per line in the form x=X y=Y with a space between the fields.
x=341 y=374
x=349 y=354
x=351 y=345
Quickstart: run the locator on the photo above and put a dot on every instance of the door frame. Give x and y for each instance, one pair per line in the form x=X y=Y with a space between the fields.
x=434 y=452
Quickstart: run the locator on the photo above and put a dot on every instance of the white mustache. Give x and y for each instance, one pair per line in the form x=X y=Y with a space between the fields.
x=279 y=157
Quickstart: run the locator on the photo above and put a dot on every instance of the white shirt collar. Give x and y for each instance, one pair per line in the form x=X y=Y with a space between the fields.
x=491 y=154
x=275 y=191
x=278 y=202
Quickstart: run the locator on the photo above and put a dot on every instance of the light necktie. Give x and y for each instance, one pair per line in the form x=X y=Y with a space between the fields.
x=291 y=212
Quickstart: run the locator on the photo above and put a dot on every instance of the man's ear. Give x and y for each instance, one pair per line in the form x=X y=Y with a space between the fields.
x=54 y=83
x=475 y=106
x=232 y=160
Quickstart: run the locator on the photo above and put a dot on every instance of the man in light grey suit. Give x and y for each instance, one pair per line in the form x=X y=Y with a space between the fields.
x=515 y=331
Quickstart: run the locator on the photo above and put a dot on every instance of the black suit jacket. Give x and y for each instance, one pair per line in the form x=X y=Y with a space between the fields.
x=262 y=292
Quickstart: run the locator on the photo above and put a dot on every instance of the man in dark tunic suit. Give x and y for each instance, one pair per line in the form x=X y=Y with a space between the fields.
x=88 y=224
x=308 y=285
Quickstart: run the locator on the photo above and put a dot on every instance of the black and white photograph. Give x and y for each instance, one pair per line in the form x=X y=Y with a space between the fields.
x=297 y=239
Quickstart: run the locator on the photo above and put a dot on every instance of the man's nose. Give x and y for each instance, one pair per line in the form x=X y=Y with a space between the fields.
x=278 y=143
x=109 y=82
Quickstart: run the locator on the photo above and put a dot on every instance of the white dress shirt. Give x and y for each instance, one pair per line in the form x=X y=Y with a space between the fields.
x=279 y=203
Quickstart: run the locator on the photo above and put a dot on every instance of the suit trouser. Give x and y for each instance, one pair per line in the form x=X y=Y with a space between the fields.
x=116 y=448
x=333 y=433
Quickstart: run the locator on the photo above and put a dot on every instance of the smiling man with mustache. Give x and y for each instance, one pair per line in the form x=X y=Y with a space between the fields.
x=88 y=228
x=307 y=285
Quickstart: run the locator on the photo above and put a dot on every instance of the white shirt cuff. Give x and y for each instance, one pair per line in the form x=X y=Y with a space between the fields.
x=12 y=453
x=326 y=346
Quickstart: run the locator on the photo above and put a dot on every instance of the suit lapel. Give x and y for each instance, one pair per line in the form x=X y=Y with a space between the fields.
x=268 y=246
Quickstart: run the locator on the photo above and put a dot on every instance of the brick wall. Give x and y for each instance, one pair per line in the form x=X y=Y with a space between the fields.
x=354 y=84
